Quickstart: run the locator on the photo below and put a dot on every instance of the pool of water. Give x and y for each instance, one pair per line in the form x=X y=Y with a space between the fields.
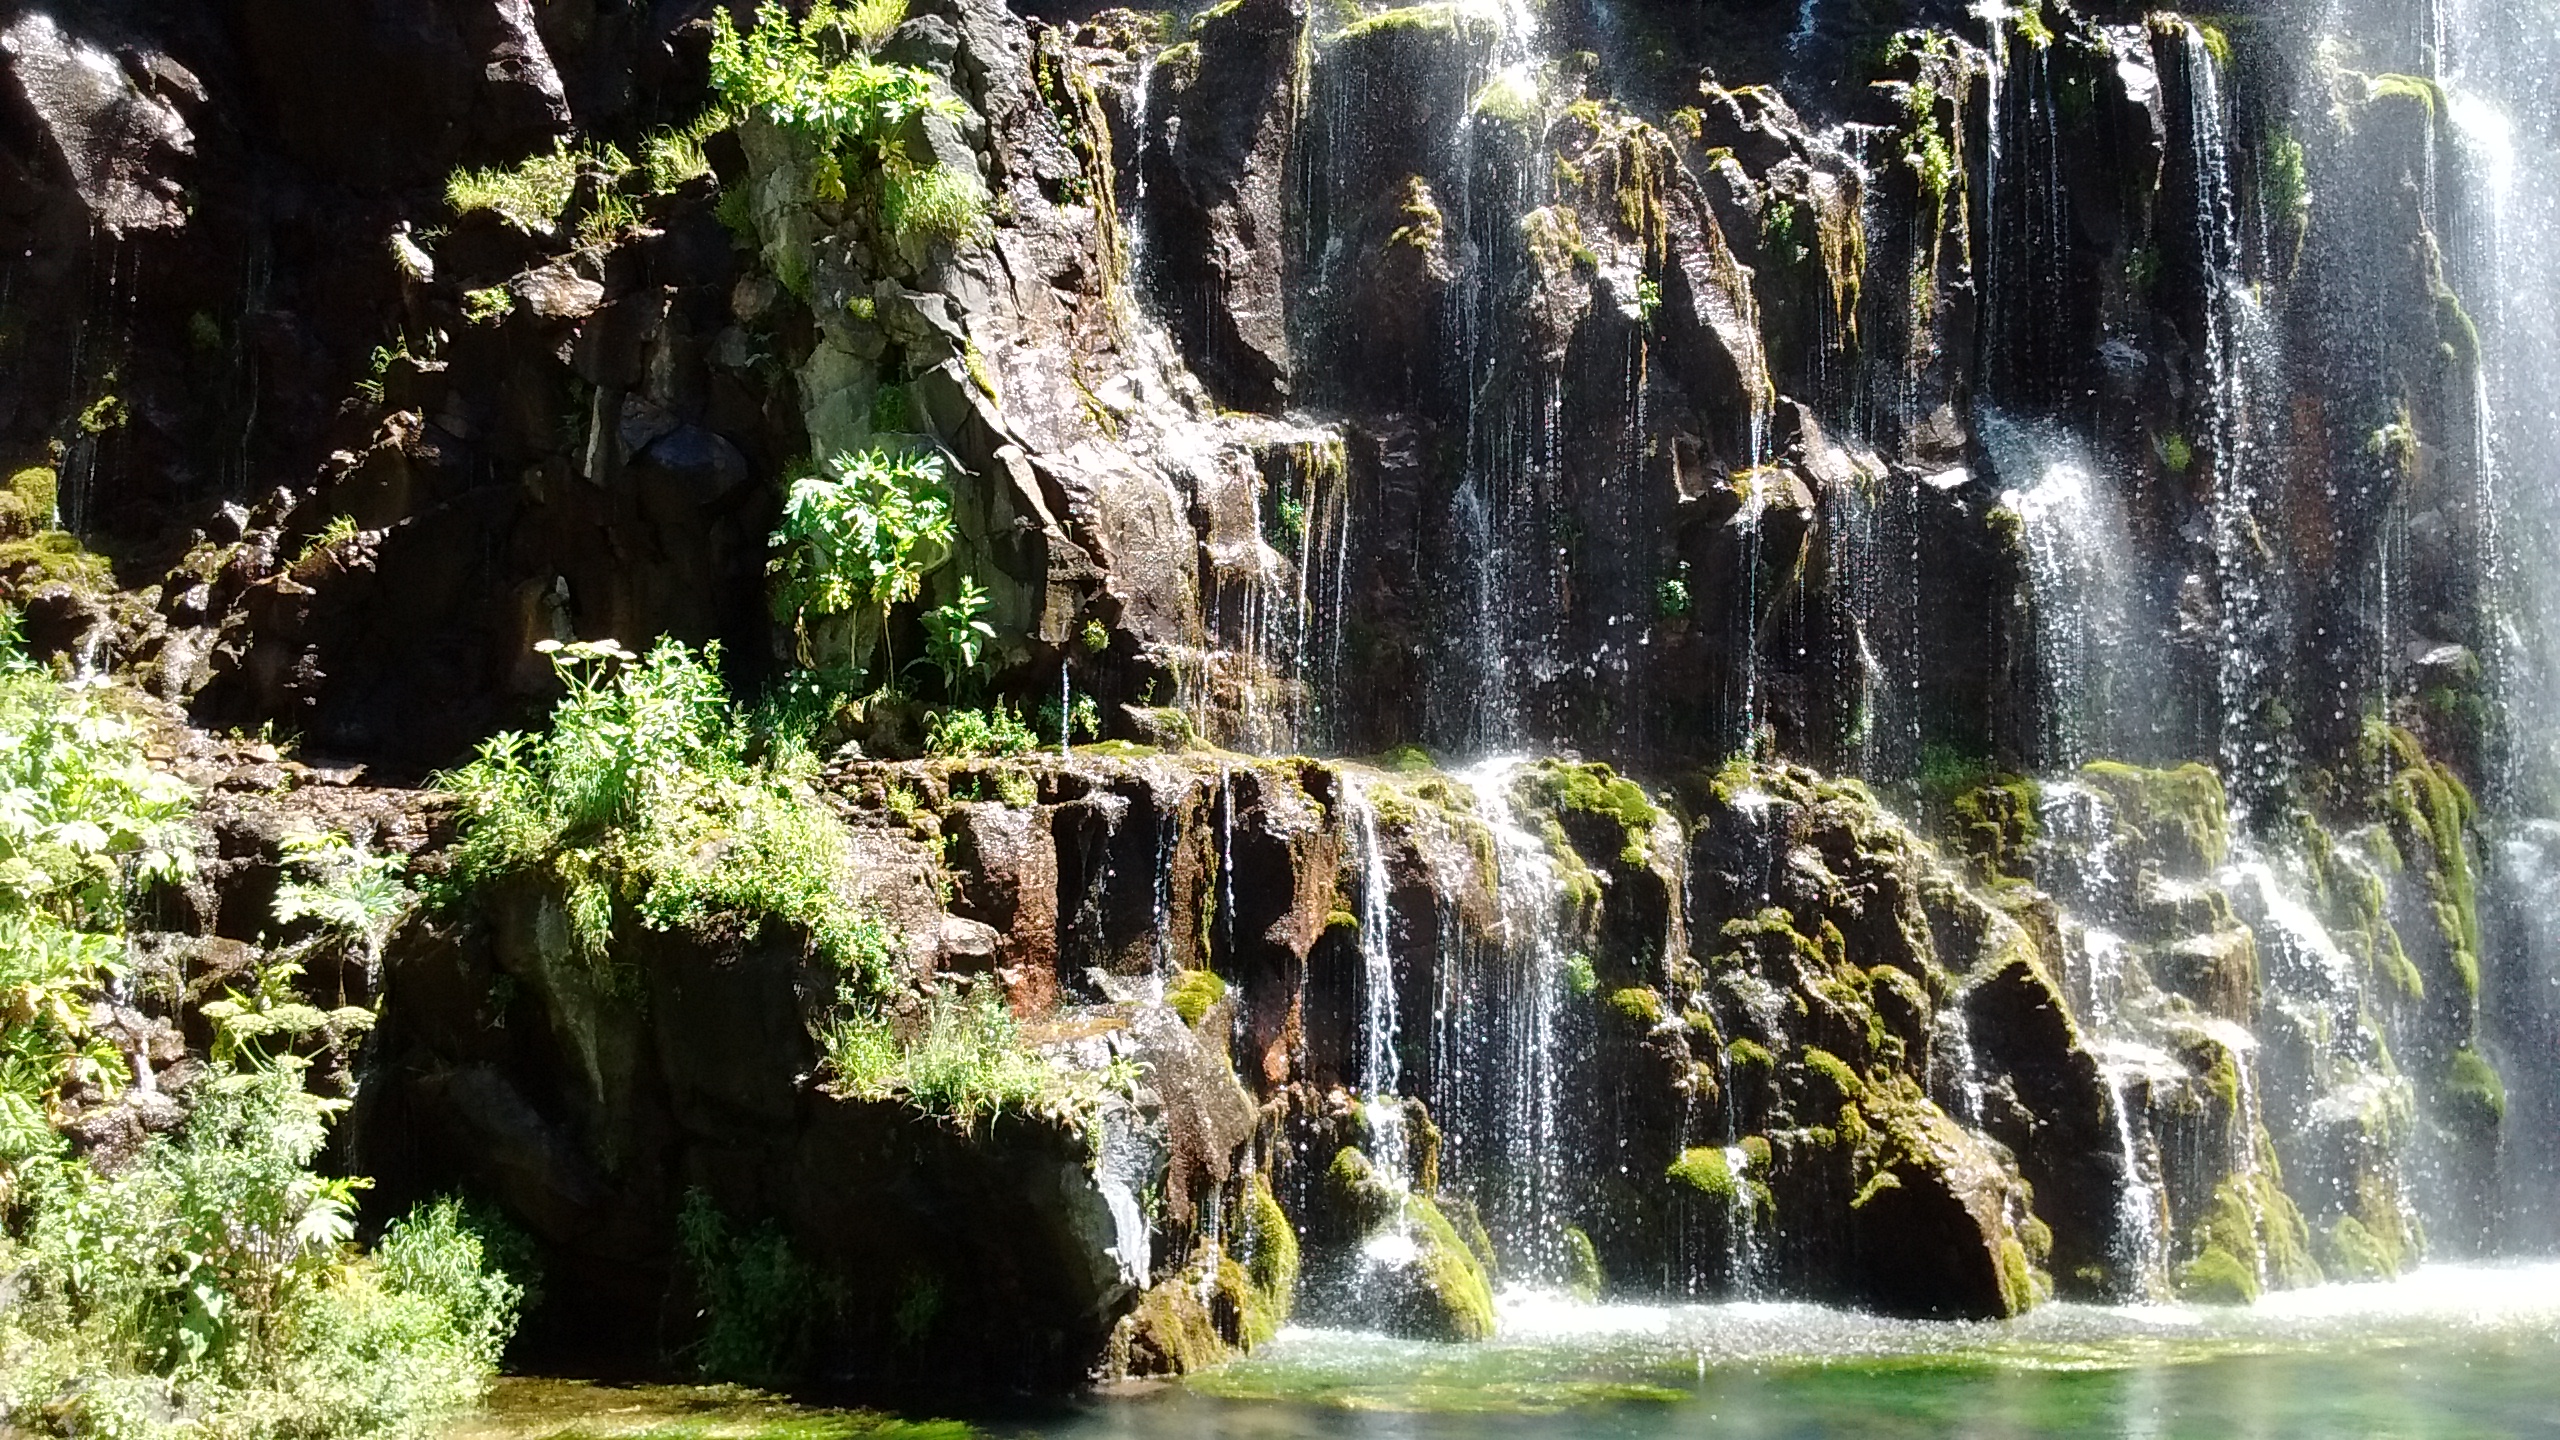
x=2453 y=1351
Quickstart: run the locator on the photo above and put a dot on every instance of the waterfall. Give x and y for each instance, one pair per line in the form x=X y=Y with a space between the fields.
x=1381 y=1068
x=2078 y=548
x=1503 y=1120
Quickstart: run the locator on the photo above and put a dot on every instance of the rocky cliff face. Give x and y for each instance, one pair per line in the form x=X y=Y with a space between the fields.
x=2032 y=494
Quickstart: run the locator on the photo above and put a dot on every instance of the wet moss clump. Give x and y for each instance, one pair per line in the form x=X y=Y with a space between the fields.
x=1582 y=1278
x=1270 y=1259
x=2475 y=1098
x=1994 y=823
x=1706 y=1171
x=1192 y=993
x=1587 y=798
x=2429 y=813
x=1637 y=1006
x=2179 y=816
x=2352 y=1253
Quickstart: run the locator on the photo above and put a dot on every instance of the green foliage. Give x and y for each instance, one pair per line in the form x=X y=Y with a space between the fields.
x=956 y=636
x=964 y=1059
x=1580 y=978
x=339 y=530
x=84 y=820
x=811 y=79
x=533 y=195
x=1097 y=638
x=1671 y=598
x=208 y=1288
x=973 y=734
x=764 y=1309
x=487 y=306
x=1193 y=992
x=640 y=800
x=1079 y=719
x=936 y=203
x=855 y=542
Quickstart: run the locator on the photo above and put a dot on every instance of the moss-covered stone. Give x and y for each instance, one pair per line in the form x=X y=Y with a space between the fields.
x=1270 y=1248
x=1706 y=1171
x=2474 y=1097
x=2350 y=1252
x=2218 y=1277
x=2178 y=817
x=1637 y=1005
x=1593 y=803
x=1192 y=993
x=1582 y=1278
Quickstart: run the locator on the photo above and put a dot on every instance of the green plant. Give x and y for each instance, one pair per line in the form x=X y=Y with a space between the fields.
x=853 y=543
x=964 y=1059
x=1079 y=719
x=956 y=637
x=763 y=1307
x=967 y=734
x=533 y=195
x=487 y=306
x=810 y=79
x=1096 y=637
x=1648 y=300
x=640 y=797
x=339 y=530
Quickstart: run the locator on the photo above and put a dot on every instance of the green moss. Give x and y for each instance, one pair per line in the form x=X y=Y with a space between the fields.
x=1834 y=1072
x=1637 y=1005
x=1456 y=22
x=1354 y=1188
x=1706 y=1171
x=26 y=505
x=2474 y=1098
x=1593 y=793
x=1995 y=823
x=1755 y=1148
x=1191 y=993
x=2218 y=1277
x=1270 y=1241
x=2180 y=816
x=1744 y=1054
x=49 y=556
x=1582 y=1279
x=2430 y=813
x=2353 y=1253
x=1452 y=1273
x=2019 y=1290
x=1407 y=760
x=2415 y=90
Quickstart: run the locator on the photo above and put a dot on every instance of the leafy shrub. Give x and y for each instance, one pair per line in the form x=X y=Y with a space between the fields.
x=533 y=195
x=853 y=543
x=640 y=795
x=956 y=635
x=763 y=1307
x=972 y=734
x=811 y=78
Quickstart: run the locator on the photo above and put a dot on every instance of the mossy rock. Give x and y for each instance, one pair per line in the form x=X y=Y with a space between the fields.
x=1270 y=1247
x=2218 y=1277
x=1637 y=1006
x=1362 y=1197
x=1707 y=1171
x=2351 y=1252
x=2472 y=1097
x=1582 y=1277
x=1608 y=818
x=26 y=505
x=1192 y=993
x=1994 y=824
x=2177 y=817
x=1460 y=1297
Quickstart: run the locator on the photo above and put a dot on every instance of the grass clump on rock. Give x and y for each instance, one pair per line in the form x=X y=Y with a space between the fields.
x=640 y=802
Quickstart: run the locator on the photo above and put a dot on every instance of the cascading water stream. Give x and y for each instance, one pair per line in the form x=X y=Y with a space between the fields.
x=1514 y=1158
x=1381 y=1068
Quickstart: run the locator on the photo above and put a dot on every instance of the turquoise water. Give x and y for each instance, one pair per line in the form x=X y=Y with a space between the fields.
x=2454 y=1351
